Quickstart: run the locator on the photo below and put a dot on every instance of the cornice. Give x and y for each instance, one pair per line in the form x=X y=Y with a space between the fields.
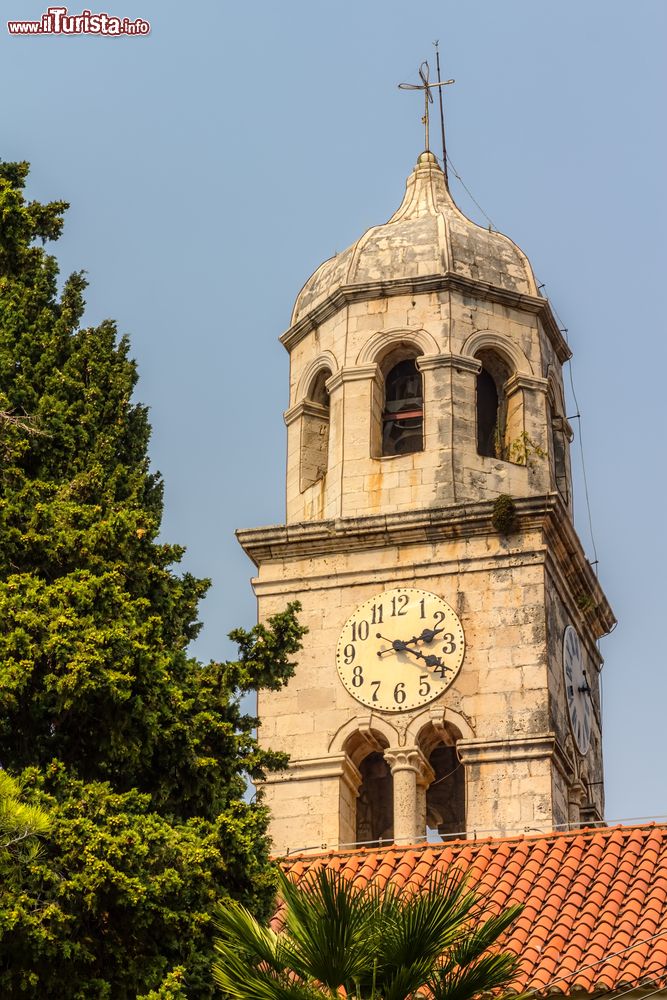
x=521 y=381
x=302 y=408
x=351 y=373
x=310 y=769
x=562 y=548
x=512 y=748
x=459 y=361
x=362 y=292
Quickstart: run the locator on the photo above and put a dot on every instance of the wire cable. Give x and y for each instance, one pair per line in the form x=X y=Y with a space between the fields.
x=492 y=225
x=564 y=331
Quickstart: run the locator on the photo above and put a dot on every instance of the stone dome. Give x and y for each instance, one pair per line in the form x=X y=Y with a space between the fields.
x=427 y=236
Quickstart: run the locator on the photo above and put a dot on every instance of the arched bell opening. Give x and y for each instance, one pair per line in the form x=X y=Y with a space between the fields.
x=315 y=431
x=371 y=819
x=445 y=806
x=398 y=404
x=560 y=439
x=492 y=406
x=375 y=801
x=445 y=796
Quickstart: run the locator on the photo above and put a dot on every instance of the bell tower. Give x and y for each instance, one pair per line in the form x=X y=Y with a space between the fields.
x=449 y=680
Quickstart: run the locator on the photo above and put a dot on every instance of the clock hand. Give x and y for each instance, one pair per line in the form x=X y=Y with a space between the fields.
x=397 y=645
x=430 y=660
x=400 y=646
x=585 y=688
x=428 y=635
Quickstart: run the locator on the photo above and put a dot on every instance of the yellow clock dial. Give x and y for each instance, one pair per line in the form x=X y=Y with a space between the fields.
x=400 y=650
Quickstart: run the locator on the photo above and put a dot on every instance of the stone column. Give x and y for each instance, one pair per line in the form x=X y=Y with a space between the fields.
x=449 y=417
x=410 y=772
x=351 y=394
x=575 y=799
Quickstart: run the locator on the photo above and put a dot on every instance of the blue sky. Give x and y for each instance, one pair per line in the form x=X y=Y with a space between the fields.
x=212 y=165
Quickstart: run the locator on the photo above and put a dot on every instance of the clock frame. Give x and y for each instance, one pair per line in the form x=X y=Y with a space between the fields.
x=400 y=650
x=577 y=690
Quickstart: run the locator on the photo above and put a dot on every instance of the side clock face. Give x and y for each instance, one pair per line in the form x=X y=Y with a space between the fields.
x=577 y=690
x=400 y=650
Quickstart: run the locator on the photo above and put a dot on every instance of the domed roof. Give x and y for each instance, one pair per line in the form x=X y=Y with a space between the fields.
x=428 y=235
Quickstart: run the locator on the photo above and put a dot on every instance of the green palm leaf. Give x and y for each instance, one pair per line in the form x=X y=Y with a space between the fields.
x=367 y=943
x=333 y=927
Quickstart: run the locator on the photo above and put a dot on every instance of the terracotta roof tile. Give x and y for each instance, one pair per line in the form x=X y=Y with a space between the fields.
x=594 y=900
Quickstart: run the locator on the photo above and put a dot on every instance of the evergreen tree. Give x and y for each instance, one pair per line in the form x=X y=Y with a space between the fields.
x=138 y=752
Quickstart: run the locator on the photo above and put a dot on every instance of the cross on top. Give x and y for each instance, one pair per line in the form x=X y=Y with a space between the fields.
x=427 y=87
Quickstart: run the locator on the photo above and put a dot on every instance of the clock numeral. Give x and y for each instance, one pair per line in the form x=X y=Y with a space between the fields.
x=450 y=645
x=399 y=605
x=349 y=653
x=376 y=687
x=357 y=676
x=422 y=607
x=360 y=631
x=399 y=693
x=376 y=614
x=424 y=686
x=441 y=669
x=439 y=617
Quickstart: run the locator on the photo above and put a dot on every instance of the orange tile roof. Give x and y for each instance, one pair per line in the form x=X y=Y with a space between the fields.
x=595 y=901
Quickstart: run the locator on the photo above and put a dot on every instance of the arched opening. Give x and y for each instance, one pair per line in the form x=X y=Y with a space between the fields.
x=445 y=796
x=403 y=411
x=375 y=801
x=559 y=443
x=492 y=406
x=315 y=431
x=318 y=392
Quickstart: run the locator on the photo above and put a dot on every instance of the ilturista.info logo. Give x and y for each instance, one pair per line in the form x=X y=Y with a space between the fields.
x=58 y=21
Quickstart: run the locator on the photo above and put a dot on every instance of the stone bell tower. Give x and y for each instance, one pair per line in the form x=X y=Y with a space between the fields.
x=449 y=678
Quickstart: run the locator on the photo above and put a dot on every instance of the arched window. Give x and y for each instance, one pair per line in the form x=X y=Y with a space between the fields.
x=445 y=797
x=315 y=431
x=491 y=406
x=375 y=802
x=403 y=414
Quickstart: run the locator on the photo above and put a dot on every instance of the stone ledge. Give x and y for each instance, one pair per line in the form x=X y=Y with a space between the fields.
x=546 y=513
x=459 y=361
x=362 y=292
x=316 y=768
x=512 y=748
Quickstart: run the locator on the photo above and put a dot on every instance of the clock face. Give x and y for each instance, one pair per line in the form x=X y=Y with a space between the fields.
x=400 y=650
x=577 y=690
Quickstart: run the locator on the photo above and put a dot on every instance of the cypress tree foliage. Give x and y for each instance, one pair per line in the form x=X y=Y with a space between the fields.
x=138 y=752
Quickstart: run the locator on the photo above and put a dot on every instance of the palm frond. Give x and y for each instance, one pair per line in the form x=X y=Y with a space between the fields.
x=489 y=973
x=426 y=923
x=332 y=927
x=364 y=943
x=478 y=940
x=243 y=936
x=252 y=963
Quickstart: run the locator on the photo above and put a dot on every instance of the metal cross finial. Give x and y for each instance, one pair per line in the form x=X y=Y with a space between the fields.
x=428 y=97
